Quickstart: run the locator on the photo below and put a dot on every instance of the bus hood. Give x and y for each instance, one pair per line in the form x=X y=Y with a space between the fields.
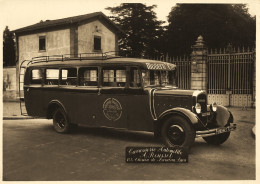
x=165 y=99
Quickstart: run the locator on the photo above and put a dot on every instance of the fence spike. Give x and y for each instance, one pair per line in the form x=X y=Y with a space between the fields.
x=220 y=51
x=238 y=49
x=211 y=51
x=234 y=49
x=248 y=49
x=216 y=51
x=224 y=50
x=243 y=49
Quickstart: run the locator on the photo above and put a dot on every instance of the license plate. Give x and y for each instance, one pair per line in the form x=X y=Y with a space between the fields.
x=223 y=130
x=206 y=114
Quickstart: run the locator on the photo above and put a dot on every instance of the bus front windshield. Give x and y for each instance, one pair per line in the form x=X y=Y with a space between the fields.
x=159 y=78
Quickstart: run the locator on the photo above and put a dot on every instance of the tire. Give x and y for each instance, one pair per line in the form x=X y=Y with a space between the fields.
x=157 y=133
x=176 y=131
x=217 y=139
x=60 y=121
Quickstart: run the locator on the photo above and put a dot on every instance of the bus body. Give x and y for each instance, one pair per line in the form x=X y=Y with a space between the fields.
x=130 y=93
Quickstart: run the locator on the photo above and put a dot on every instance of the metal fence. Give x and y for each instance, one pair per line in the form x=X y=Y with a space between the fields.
x=183 y=73
x=230 y=72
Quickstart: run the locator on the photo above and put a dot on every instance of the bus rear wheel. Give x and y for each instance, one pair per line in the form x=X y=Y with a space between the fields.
x=61 y=123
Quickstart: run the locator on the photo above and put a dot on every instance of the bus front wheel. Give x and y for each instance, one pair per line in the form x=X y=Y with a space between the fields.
x=61 y=123
x=176 y=131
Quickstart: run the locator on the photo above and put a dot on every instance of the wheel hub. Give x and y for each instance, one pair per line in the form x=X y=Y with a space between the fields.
x=176 y=135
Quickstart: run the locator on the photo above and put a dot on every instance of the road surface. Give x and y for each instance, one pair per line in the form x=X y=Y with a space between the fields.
x=33 y=151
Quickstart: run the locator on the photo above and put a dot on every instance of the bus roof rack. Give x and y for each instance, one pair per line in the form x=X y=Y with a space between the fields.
x=81 y=56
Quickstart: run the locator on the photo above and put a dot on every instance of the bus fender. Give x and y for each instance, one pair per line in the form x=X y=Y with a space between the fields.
x=187 y=114
x=223 y=116
x=52 y=106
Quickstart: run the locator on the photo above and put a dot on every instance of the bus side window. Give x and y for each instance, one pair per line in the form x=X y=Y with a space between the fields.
x=52 y=77
x=36 y=77
x=114 y=77
x=88 y=76
x=69 y=76
x=134 y=78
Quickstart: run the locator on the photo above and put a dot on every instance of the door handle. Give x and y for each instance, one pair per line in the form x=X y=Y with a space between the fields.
x=28 y=89
x=99 y=92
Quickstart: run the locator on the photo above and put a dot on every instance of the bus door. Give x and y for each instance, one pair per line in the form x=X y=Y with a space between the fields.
x=86 y=97
x=112 y=97
x=33 y=93
x=123 y=103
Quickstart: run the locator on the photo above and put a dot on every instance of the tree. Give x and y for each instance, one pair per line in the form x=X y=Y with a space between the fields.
x=8 y=48
x=142 y=30
x=219 y=24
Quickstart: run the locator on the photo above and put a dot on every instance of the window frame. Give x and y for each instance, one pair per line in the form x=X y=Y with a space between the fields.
x=60 y=76
x=115 y=68
x=45 y=77
x=94 y=44
x=98 y=76
x=42 y=76
x=139 y=73
x=42 y=49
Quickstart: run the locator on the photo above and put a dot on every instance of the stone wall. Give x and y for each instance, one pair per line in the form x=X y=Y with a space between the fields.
x=86 y=33
x=9 y=84
x=57 y=42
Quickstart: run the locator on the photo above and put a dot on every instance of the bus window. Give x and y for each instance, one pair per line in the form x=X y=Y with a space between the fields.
x=69 y=76
x=134 y=78
x=36 y=76
x=151 y=77
x=52 y=77
x=88 y=76
x=114 y=77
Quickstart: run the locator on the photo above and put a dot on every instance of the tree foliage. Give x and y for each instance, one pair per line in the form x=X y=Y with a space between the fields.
x=142 y=31
x=8 y=48
x=219 y=24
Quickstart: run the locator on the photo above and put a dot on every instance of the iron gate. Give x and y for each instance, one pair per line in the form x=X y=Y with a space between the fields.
x=230 y=78
x=183 y=73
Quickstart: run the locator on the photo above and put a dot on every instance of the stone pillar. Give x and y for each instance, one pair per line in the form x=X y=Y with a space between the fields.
x=199 y=65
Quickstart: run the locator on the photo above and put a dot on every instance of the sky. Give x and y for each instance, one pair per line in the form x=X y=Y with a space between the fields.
x=20 y=13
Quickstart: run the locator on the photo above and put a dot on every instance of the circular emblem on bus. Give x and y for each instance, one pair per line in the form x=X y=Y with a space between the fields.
x=112 y=109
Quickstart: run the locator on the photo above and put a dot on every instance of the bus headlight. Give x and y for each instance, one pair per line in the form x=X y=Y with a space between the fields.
x=198 y=108
x=214 y=106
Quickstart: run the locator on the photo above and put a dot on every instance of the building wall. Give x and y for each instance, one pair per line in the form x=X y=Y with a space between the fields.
x=73 y=40
x=9 y=84
x=57 y=42
x=86 y=35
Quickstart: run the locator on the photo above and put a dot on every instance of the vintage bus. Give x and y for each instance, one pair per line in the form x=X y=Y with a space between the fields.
x=130 y=93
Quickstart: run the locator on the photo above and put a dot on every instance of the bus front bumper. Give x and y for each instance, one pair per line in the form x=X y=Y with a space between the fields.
x=216 y=131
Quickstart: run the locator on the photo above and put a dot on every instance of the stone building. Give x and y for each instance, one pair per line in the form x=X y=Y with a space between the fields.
x=89 y=33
